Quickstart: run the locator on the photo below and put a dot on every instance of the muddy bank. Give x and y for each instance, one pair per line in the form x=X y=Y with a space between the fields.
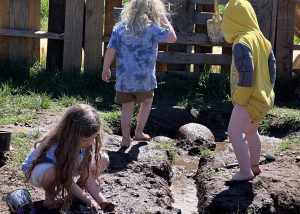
x=275 y=190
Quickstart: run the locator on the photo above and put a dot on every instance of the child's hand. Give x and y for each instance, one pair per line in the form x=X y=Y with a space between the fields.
x=108 y=206
x=94 y=207
x=106 y=74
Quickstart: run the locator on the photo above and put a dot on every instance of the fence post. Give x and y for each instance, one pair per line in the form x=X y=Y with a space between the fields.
x=4 y=23
x=56 y=24
x=73 y=36
x=24 y=15
x=94 y=11
x=285 y=37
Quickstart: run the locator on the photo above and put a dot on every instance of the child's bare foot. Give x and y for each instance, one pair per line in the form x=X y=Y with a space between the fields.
x=256 y=170
x=125 y=142
x=240 y=177
x=142 y=137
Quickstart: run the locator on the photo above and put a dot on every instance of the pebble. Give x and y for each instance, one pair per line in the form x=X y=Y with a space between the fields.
x=298 y=158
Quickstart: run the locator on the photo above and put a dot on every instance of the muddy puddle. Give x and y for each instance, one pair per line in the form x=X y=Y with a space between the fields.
x=183 y=186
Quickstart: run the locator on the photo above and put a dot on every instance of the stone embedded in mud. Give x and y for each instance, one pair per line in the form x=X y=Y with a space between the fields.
x=196 y=133
x=163 y=139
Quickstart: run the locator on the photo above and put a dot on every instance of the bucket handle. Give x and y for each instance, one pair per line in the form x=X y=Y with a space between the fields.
x=216 y=17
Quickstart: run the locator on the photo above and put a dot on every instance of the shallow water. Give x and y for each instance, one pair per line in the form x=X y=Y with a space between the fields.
x=183 y=186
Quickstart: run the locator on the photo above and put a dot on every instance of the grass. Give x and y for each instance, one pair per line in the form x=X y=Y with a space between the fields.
x=44 y=14
x=22 y=142
x=169 y=149
x=281 y=121
x=205 y=153
x=287 y=144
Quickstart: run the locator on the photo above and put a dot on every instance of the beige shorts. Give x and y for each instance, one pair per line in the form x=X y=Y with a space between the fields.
x=39 y=170
x=127 y=97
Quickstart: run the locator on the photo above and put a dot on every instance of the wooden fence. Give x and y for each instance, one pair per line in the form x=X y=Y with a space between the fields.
x=77 y=24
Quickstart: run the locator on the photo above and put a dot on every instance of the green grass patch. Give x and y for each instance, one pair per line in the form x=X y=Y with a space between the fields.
x=112 y=120
x=169 y=149
x=22 y=142
x=287 y=144
x=281 y=121
x=205 y=153
x=19 y=106
x=44 y=14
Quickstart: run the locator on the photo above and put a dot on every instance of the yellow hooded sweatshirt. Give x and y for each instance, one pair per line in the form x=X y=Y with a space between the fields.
x=240 y=25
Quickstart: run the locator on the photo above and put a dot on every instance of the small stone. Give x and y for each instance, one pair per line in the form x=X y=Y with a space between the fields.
x=269 y=158
x=298 y=158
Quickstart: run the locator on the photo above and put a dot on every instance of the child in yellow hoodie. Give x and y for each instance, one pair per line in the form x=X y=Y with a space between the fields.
x=252 y=79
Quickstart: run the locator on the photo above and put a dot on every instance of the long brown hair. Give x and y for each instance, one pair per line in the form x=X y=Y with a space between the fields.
x=79 y=121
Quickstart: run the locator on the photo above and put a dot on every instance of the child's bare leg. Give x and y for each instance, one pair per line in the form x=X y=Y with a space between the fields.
x=127 y=110
x=237 y=124
x=143 y=115
x=48 y=183
x=254 y=144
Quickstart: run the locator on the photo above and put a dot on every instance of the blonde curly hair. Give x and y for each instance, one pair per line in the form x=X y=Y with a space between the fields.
x=137 y=14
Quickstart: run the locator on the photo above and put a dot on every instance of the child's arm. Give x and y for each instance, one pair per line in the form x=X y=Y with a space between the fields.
x=172 y=36
x=93 y=188
x=84 y=197
x=108 y=59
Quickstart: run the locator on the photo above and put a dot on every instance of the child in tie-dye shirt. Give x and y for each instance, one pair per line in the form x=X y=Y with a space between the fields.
x=134 y=42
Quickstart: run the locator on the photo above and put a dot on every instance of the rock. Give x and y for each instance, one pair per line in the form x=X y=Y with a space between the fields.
x=269 y=158
x=196 y=132
x=298 y=158
x=163 y=139
x=231 y=165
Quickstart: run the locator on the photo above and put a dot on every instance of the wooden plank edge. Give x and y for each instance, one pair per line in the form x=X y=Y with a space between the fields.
x=31 y=34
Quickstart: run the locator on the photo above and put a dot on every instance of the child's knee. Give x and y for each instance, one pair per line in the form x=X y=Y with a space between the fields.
x=104 y=160
x=43 y=175
x=102 y=165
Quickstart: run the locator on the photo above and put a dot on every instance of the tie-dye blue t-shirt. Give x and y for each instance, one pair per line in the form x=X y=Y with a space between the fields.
x=136 y=57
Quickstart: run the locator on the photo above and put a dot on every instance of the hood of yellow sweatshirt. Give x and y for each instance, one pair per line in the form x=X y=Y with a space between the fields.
x=238 y=18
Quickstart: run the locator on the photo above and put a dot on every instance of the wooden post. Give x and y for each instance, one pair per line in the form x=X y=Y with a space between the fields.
x=19 y=19
x=56 y=24
x=24 y=15
x=202 y=29
x=34 y=24
x=285 y=37
x=93 y=35
x=183 y=23
x=109 y=18
x=109 y=15
x=73 y=36
x=4 y=23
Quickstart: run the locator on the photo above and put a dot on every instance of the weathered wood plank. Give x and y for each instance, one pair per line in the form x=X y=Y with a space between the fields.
x=93 y=35
x=266 y=16
x=284 y=37
x=257 y=3
x=19 y=19
x=56 y=24
x=198 y=1
x=31 y=34
x=202 y=28
x=109 y=15
x=73 y=36
x=4 y=23
x=296 y=47
x=193 y=58
x=34 y=24
x=110 y=18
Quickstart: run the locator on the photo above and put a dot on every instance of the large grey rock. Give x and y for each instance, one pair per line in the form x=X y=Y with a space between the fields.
x=196 y=132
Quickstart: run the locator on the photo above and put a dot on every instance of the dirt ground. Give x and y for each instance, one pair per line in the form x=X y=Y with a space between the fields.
x=137 y=180
x=275 y=190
